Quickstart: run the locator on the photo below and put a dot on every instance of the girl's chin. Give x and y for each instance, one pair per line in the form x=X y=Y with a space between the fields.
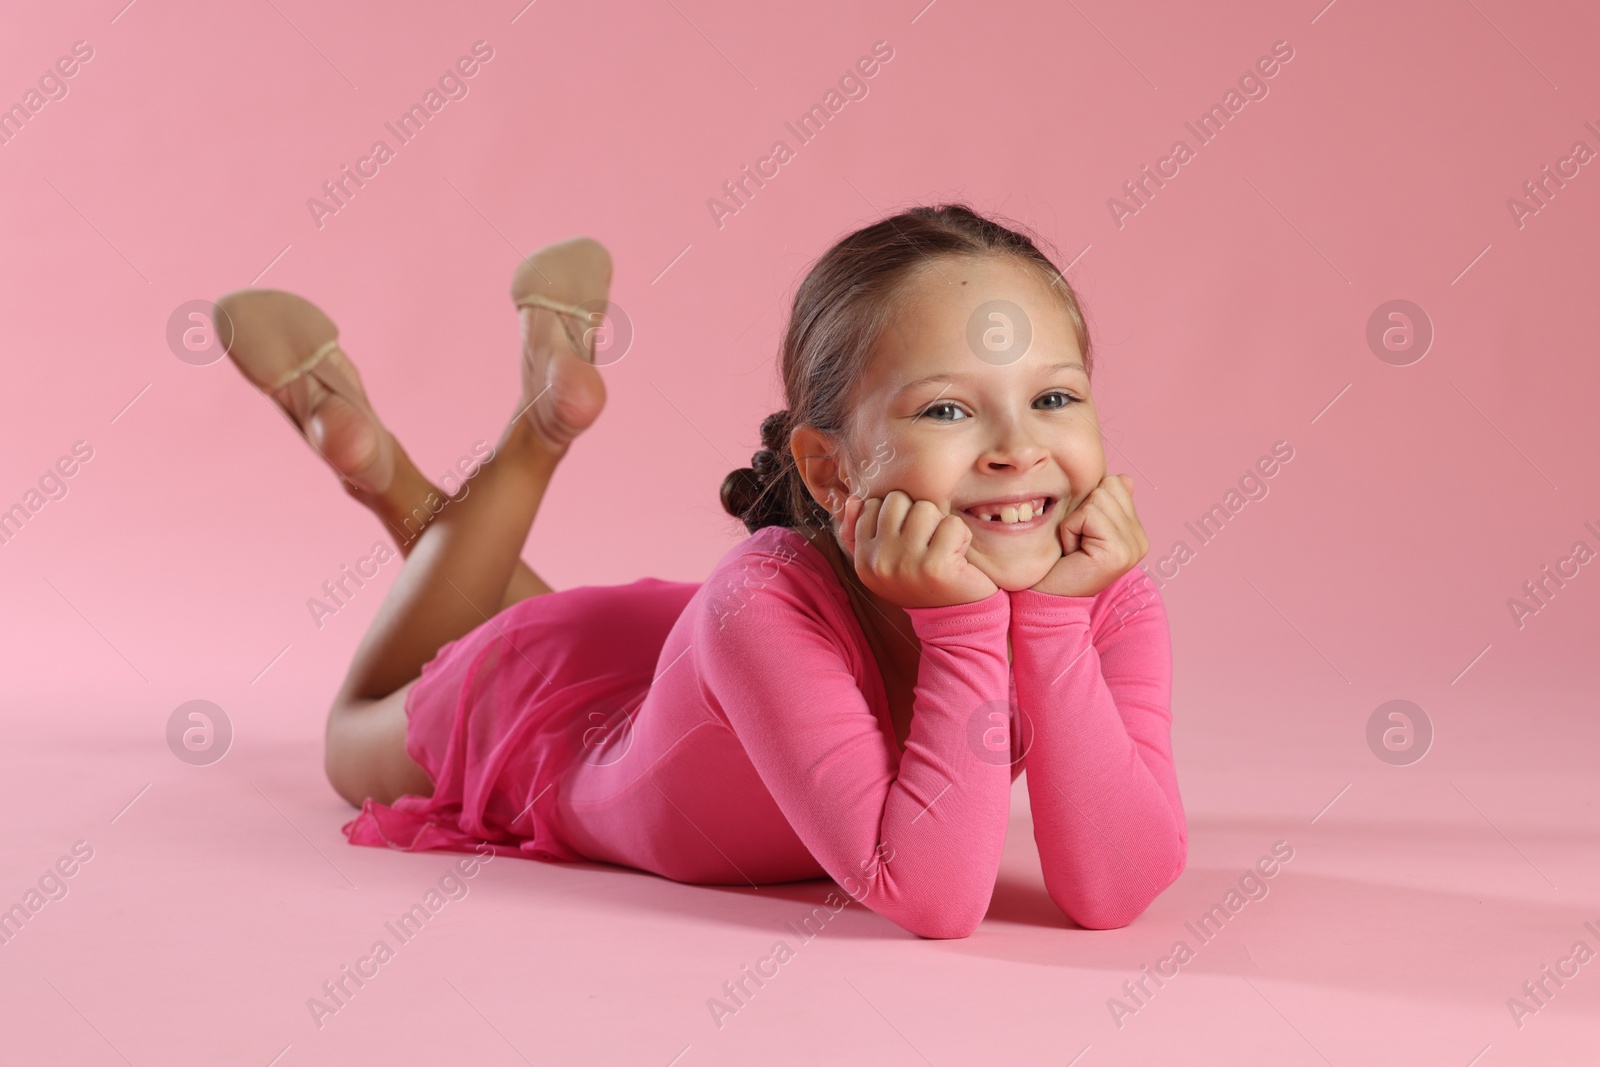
x=1019 y=584
x=1015 y=575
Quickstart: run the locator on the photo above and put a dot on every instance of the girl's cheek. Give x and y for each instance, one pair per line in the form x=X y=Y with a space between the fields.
x=899 y=476
x=1086 y=458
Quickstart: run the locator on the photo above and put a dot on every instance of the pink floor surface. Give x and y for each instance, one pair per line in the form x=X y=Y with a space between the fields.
x=219 y=899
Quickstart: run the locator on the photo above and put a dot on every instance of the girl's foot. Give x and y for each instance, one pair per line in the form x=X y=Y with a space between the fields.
x=561 y=290
x=288 y=349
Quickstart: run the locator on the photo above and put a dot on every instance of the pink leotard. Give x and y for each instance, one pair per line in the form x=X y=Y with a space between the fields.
x=737 y=731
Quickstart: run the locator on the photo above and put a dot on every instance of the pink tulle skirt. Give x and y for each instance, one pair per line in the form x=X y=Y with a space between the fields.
x=499 y=715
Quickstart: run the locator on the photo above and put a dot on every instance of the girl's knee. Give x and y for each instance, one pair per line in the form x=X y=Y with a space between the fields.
x=341 y=759
x=364 y=752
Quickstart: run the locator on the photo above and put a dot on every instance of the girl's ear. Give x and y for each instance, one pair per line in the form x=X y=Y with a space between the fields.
x=816 y=458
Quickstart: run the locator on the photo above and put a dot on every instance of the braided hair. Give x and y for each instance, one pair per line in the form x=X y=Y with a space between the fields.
x=839 y=312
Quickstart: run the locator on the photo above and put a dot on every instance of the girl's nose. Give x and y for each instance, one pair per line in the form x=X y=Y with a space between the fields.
x=1014 y=448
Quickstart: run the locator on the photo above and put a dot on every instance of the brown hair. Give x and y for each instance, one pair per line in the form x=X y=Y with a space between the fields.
x=840 y=310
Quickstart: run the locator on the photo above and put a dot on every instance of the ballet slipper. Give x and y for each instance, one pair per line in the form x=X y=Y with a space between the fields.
x=287 y=348
x=563 y=287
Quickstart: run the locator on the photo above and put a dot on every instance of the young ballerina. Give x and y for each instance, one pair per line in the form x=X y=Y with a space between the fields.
x=938 y=589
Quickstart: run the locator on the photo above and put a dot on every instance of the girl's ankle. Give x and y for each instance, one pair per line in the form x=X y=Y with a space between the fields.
x=522 y=446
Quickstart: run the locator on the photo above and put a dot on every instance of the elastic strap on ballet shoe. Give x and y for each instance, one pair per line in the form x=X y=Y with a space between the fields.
x=335 y=382
x=591 y=318
x=343 y=383
x=535 y=300
x=323 y=351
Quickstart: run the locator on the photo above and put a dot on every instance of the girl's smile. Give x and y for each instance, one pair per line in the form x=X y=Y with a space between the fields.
x=1011 y=515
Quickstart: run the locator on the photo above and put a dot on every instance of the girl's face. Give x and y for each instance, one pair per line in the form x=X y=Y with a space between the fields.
x=961 y=407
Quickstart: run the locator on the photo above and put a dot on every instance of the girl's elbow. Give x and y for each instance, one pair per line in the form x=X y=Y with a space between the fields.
x=1119 y=906
x=945 y=923
x=942 y=928
x=1109 y=915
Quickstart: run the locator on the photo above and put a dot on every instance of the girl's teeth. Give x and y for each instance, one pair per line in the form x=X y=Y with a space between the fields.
x=1017 y=513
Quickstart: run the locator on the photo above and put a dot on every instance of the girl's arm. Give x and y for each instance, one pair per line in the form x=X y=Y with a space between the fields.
x=917 y=839
x=1094 y=677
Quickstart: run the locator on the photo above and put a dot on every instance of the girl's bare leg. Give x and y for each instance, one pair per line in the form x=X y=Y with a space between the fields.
x=456 y=576
x=408 y=507
x=464 y=565
x=457 y=571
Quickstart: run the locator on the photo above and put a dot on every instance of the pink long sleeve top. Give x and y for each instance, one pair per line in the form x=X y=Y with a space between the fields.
x=755 y=744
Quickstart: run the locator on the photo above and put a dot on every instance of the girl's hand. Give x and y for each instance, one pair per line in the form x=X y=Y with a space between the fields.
x=1101 y=540
x=912 y=554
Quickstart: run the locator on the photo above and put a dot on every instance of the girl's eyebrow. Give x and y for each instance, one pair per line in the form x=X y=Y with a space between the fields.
x=931 y=378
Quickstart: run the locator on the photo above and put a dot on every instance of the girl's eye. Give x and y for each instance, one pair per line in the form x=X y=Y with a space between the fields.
x=1067 y=399
x=946 y=405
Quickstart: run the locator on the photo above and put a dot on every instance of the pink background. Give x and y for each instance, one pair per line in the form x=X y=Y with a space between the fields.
x=1229 y=313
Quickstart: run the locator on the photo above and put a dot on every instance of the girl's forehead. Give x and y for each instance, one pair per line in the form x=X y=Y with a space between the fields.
x=975 y=319
x=947 y=278
x=953 y=299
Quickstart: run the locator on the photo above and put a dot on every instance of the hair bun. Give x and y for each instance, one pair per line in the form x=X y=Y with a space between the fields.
x=741 y=492
x=775 y=431
x=764 y=463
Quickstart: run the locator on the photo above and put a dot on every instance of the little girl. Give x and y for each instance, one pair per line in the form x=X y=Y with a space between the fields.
x=938 y=589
